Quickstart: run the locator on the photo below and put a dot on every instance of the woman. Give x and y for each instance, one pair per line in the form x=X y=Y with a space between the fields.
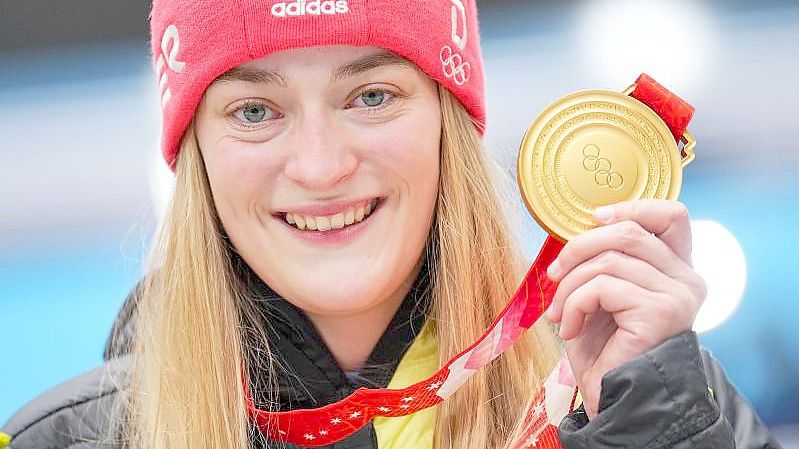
x=334 y=225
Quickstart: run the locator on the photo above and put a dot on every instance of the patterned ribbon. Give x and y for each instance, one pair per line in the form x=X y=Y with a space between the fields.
x=336 y=421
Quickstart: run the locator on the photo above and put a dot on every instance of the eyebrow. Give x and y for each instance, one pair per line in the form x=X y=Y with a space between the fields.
x=252 y=76
x=356 y=67
x=369 y=62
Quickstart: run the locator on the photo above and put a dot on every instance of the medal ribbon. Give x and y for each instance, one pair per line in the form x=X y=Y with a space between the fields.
x=675 y=111
x=339 y=420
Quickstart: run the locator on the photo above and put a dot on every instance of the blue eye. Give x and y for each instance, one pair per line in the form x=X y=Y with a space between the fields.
x=252 y=113
x=373 y=98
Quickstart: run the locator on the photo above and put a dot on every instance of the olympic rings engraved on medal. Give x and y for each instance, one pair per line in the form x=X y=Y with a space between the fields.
x=453 y=65
x=552 y=198
x=601 y=167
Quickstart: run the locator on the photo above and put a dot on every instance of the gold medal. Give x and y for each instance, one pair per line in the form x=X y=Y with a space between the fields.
x=594 y=148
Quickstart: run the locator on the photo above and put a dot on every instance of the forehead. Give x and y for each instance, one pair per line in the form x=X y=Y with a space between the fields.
x=340 y=62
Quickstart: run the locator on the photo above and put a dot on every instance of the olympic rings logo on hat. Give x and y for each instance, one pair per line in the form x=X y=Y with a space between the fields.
x=453 y=65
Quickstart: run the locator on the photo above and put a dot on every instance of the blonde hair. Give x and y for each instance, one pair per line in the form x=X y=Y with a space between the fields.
x=198 y=328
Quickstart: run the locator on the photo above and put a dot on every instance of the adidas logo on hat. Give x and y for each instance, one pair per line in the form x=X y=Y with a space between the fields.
x=314 y=7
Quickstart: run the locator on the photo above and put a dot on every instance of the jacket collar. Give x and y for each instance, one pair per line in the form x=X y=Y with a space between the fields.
x=308 y=375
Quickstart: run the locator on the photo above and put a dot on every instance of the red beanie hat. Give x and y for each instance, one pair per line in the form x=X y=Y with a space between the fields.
x=195 y=41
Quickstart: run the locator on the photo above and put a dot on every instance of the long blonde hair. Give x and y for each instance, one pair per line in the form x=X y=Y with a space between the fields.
x=197 y=327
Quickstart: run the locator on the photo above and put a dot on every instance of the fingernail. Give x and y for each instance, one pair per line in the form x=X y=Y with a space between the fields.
x=603 y=213
x=553 y=270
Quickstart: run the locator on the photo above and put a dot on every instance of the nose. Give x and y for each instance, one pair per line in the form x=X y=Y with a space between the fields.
x=322 y=155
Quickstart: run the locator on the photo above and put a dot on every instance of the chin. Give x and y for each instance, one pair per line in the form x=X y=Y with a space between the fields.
x=349 y=281
x=341 y=300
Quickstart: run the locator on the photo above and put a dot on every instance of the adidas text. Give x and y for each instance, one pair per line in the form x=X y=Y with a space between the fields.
x=313 y=7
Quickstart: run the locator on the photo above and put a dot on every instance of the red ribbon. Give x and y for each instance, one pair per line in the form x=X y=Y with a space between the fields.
x=337 y=421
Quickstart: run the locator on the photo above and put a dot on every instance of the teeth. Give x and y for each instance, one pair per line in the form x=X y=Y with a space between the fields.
x=323 y=223
x=300 y=221
x=310 y=222
x=336 y=221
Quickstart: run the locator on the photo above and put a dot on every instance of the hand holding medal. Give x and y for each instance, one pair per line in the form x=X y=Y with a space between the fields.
x=614 y=160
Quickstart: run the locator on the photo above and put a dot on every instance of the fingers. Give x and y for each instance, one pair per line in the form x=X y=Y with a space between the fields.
x=668 y=220
x=608 y=293
x=612 y=263
x=636 y=267
x=627 y=237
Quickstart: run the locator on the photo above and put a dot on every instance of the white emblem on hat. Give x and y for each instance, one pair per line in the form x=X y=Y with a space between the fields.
x=311 y=7
x=171 y=36
x=458 y=12
x=452 y=63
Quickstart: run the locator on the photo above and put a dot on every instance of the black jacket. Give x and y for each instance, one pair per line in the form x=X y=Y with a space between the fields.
x=675 y=396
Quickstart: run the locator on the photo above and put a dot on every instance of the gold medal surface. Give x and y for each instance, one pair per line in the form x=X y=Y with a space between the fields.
x=593 y=148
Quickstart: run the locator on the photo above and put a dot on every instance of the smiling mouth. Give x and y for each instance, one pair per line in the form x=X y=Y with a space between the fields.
x=341 y=220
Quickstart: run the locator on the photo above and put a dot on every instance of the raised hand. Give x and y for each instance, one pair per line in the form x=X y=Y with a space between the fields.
x=625 y=287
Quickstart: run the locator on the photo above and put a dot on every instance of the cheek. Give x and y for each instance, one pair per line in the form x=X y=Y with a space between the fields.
x=239 y=175
x=412 y=156
x=411 y=161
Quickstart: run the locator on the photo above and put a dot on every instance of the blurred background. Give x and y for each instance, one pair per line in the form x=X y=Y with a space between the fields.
x=80 y=178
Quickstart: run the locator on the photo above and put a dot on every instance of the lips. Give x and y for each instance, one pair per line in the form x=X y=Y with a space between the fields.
x=343 y=219
x=329 y=216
